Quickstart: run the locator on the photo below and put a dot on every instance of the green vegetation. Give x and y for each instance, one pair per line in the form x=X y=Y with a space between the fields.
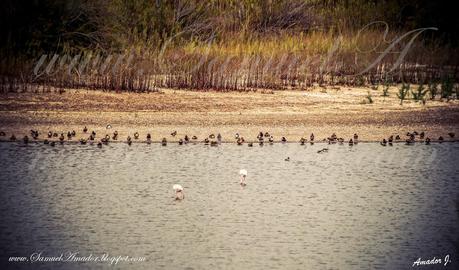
x=222 y=44
x=419 y=94
x=403 y=92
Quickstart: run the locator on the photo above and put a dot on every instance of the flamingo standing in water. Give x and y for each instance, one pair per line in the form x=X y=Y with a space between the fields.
x=243 y=174
x=179 y=194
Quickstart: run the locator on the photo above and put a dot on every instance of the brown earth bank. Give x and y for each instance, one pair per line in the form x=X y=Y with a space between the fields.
x=292 y=114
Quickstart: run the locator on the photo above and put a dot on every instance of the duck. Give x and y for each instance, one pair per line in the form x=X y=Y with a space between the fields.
x=271 y=140
x=341 y=140
x=91 y=137
x=451 y=134
x=180 y=142
x=397 y=137
x=284 y=139
x=323 y=150
x=267 y=135
x=34 y=133
x=186 y=139
x=83 y=141
x=236 y=136
x=69 y=135
x=55 y=134
x=427 y=140
x=85 y=129
x=311 y=137
x=211 y=136
x=50 y=134
x=260 y=135
x=440 y=139
x=384 y=142
x=287 y=159
x=25 y=139
x=148 y=137
x=73 y=133
x=12 y=138
x=351 y=142
x=194 y=138
x=240 y=141
x=391 y=138
x=409 y=141
x=46 y=141
x=93 y=133
x=136 y=135
x=129 y=140
x=115 y=135
x=61 y=138
x=356 y=137
x=2 y=134
x=99 y=144
x=105 y=140
x=53 y=143
x=422 y=135
x=213 y=143
x=206 y=141
x=302 y=141
x=174 y=133
x=109 y=126
x=219 y=137
x=107 y=137
x=250 y=144
x=164 y=142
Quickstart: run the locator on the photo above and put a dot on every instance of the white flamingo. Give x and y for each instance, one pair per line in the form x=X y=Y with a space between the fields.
x=179 y=194
x=243 y=174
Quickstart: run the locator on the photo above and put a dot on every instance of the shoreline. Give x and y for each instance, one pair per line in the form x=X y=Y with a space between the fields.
x=290 y=114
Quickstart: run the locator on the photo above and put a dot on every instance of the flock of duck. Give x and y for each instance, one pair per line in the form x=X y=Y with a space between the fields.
x=263 y=137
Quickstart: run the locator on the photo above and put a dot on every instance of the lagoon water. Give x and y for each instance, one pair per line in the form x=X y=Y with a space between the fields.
x=360 y=207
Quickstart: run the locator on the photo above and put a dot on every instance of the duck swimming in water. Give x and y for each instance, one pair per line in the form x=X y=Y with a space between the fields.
x=243 y=174
x=180 y=142
x=302 y=141
x=25 y=139
x=323 y=150
x=440 y=139
x=83 y=141
x=351 y=142
x=427 y=140
x=46 y=141
x=12 y=138
x=206 y=141
x=53 y=143
x=287 y=159
x=99 y=144
x=164 y=142
x=250 y=144
x=391 y=138
x=384 y=142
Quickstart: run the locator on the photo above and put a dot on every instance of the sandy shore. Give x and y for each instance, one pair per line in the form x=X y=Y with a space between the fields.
x=293 y=114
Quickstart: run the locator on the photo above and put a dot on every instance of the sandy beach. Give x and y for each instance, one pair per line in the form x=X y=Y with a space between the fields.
x=293 y=114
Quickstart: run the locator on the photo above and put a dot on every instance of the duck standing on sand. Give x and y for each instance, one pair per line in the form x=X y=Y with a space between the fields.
x=302 y=141
x=115 y=135
x=384 y=142
x=284 y=140
x=136 y=135
x=427 y=140
x=12 y=138
x=2 y=134
x=311 y=138
x=26 y=139
x=180 y=142
x=148 y=138
x=164 y=142
x=85 y=129
x=356 y=137
x=271 y=140
x=50 y=134
x=240 y=141
x=351 y=142
x=174 y=133
x=61 y=138
x=187 y=139
x=129 y=140
x=219 y=137
x=440 y=139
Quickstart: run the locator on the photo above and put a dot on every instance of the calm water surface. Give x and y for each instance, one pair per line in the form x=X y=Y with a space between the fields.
x=360 y=207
